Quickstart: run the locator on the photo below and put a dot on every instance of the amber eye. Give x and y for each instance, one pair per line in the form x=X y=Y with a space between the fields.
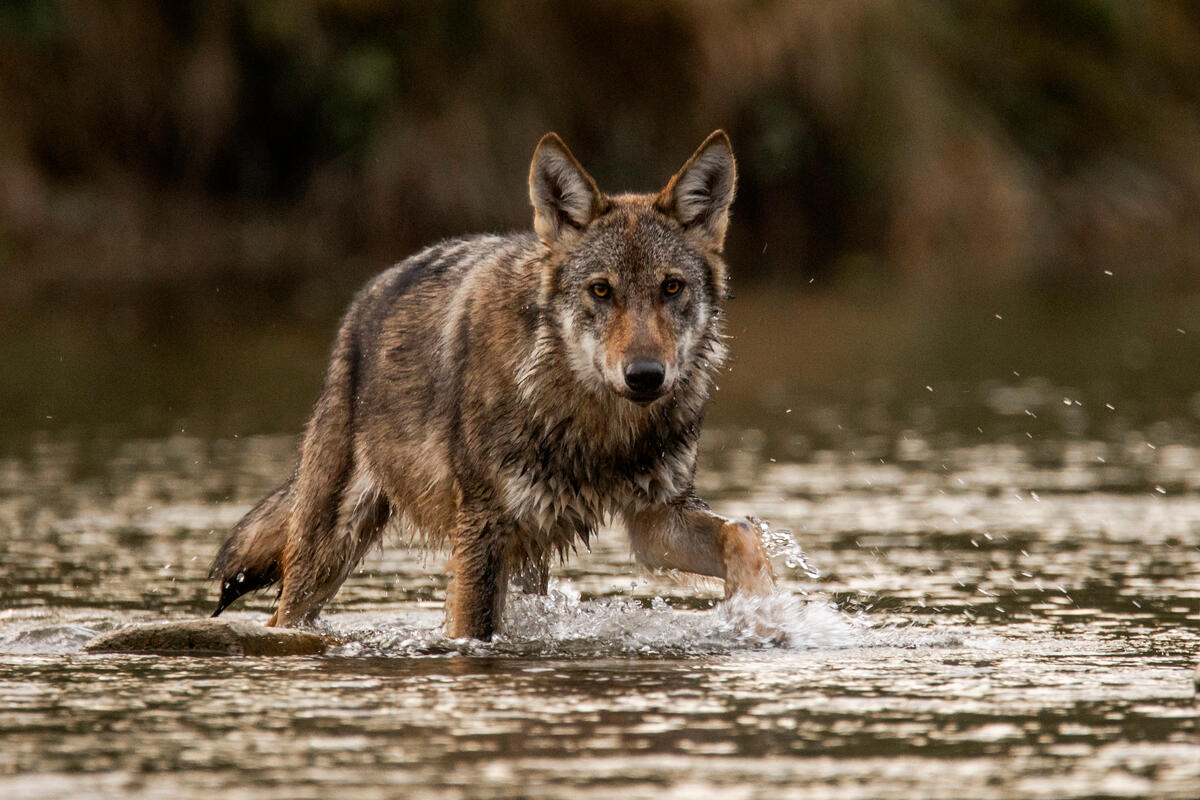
x=600 y=290
x=672 y=286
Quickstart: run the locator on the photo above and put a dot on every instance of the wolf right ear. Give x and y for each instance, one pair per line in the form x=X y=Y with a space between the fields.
x=699 y=195
x=564 y=197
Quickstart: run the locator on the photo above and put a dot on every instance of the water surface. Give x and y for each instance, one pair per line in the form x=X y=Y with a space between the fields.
x=1005 y=601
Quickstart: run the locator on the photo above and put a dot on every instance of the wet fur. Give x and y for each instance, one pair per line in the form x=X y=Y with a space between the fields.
x=475 y=397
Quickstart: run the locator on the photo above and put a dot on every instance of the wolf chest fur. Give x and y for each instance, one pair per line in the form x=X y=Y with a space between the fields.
x=502 y=396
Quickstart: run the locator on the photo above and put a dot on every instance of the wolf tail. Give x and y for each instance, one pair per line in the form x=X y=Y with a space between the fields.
x=292 y=535
x=251 y=558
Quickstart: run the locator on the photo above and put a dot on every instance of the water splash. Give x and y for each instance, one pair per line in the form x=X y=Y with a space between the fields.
x=43 y=639
x=560 y=624
x=563 y=624
x=781 y=543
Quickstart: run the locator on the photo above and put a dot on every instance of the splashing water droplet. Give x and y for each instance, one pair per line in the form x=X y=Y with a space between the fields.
x=780 y=542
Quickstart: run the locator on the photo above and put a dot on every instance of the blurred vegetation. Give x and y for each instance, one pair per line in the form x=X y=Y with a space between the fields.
x=293 y=147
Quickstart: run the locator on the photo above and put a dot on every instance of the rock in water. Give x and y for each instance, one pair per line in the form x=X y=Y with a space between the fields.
x=209 y=637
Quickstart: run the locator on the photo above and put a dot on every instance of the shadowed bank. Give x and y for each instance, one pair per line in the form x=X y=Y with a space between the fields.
x=260 y=145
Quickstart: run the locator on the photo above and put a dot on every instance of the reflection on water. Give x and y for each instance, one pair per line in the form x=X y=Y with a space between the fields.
x=1003 y=601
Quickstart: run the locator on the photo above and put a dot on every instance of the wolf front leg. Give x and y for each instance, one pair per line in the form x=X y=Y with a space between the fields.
x=688 y=536
x=475 y=599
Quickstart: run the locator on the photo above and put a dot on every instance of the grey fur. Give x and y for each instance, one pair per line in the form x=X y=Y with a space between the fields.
x=476 y=395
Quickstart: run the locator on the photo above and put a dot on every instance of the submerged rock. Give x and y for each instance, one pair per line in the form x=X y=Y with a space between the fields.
x=209 y=637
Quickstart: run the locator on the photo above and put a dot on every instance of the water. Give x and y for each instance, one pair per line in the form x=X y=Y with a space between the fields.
x=997 y=593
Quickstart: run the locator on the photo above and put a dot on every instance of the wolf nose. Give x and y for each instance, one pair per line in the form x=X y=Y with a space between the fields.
x=644 y=375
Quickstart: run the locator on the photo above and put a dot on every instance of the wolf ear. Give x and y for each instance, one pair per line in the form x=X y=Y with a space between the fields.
x=564 y=196
x=699 y=195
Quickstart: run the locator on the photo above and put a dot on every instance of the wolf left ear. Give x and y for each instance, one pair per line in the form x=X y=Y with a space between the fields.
x=564 y=197
x=699 y=195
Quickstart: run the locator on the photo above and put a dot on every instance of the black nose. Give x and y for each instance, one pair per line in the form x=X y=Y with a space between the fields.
x=644 y=375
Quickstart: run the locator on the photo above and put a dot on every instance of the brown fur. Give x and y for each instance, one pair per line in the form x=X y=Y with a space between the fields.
x=503 y=396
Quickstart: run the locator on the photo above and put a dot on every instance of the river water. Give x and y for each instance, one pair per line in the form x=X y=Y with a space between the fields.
x=1000 y=514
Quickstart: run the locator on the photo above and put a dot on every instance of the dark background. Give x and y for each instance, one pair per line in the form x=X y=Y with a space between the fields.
x=267 y=142
x=191 y=191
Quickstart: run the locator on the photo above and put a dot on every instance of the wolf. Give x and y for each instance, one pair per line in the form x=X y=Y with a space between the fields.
x=502 y=396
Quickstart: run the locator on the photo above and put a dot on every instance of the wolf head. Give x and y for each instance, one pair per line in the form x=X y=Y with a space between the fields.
x=634 y=283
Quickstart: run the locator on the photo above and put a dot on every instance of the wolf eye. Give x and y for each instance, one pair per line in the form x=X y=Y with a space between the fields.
x=672 y=286
x=600 y=290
